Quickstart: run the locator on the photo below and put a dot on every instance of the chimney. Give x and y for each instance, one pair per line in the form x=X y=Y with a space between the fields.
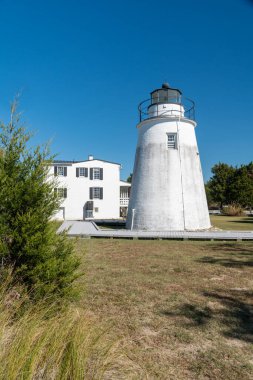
x=90 y=157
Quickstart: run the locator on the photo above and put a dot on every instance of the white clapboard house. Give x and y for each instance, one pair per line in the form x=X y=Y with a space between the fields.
x=90 y=189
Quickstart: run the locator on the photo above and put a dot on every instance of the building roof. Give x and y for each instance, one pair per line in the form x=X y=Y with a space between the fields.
x=65 y=162
x=125 y=183
x=69 y=162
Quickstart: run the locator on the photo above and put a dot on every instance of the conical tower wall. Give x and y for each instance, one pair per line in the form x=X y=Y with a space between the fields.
x=167 y=188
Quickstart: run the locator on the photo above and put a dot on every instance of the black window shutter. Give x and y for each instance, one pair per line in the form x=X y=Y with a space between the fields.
x=77 y=172
x=91 y=173
x=101 y=193
x=65 y=171
x=86 y=172
x=55 y=170
x=101 y=173
x=65 y=192
x=91 y=192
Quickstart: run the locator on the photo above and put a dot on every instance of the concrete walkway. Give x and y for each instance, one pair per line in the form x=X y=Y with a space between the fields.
x=76 y=228
x=89 y=229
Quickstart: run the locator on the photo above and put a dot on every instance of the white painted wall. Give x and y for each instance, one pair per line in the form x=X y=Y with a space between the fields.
x=167 y=109
x=167 y=188
x=78 y=192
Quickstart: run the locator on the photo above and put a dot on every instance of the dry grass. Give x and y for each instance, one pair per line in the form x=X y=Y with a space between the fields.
x=150 y=310
x=243 y=223
x=183 y=310
x=43 y=341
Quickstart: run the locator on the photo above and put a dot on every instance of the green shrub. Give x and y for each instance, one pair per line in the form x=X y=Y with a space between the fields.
x=40 y=258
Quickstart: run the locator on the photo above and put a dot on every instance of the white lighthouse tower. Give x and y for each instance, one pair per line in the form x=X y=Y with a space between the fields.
x=168 y=191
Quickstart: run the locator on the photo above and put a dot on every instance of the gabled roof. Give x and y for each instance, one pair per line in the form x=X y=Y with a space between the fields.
x=66 y=162
x=125 y=183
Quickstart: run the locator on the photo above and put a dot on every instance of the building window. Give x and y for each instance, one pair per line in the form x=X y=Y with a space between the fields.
x=60 y=171
x=172 y=140
x=61 y=192
x=96 y=173
x=96 y=193
x=82 y=172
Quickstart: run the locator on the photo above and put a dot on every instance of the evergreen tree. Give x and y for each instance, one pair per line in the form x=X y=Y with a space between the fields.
x=209 y=197
x=220 y=182
x=240 y=188
x=129 y=178
x=40 y=258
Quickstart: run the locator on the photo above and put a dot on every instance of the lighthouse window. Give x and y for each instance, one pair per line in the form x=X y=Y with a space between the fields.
x=172 y=141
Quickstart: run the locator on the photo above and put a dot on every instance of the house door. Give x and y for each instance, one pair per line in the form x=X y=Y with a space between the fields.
x=88 y=210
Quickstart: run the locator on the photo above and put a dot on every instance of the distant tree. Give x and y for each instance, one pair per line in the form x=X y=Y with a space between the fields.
x=40 y=258
x=220 y=182
x=129 y=179
x=250 y=174
x=209 y=197
x=240 y=188
x=250 y=169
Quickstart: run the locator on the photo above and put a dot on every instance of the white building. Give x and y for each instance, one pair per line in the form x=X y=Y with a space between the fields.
x=90 y=189
x=167 y=188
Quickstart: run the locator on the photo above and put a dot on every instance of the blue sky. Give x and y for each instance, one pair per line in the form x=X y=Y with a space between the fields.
x=83 y=67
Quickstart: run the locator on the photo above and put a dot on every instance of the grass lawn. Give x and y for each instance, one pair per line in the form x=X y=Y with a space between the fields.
x=181 y=310
x=223 y=222
x=243 y=223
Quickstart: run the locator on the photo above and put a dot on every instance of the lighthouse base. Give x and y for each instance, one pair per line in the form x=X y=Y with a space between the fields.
x=154 y=223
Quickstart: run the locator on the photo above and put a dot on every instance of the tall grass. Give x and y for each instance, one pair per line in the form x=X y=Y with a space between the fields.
x=42 y=341
x=233 y=210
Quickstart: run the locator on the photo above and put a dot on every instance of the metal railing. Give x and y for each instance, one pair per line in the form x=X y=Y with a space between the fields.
x=188 y=104
x=124 y=201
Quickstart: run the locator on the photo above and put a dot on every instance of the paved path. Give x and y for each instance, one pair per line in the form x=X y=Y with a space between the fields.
x=89 y=229
x=76 y=228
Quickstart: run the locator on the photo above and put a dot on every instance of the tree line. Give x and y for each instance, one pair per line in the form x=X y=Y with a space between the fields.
x=230 y=185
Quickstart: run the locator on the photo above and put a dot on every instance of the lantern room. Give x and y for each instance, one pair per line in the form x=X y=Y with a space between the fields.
x=166 y=95
x=166 y=102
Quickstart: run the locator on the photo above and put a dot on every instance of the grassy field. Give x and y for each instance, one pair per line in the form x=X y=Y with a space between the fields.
x=223 y=222
x=243 y=223
x=181 y=310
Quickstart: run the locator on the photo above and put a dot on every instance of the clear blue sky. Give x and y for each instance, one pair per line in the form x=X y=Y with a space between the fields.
x=83 y=67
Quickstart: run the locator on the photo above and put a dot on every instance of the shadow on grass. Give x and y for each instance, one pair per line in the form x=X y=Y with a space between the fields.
x=230 y=255
x=246 y=220
x=197 y=316
x=236 y=313
x=233 y=313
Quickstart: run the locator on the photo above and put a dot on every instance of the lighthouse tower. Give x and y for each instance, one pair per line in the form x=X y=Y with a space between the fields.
x=168 y=191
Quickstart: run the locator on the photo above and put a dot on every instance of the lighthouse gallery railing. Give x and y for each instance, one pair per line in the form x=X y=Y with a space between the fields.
x=188 y=104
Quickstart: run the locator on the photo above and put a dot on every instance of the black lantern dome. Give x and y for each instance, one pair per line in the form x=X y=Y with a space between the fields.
x=166 y=94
